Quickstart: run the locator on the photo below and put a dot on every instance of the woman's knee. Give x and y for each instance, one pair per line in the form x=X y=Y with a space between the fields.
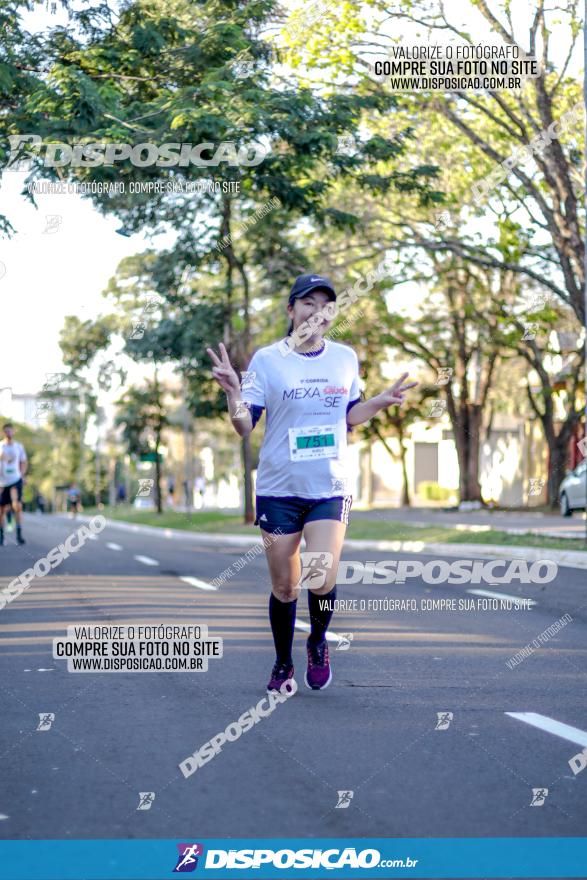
x=327 y=586
x=285 y=592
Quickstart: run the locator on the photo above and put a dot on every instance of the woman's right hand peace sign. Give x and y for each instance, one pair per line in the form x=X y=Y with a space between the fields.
x=223 y=371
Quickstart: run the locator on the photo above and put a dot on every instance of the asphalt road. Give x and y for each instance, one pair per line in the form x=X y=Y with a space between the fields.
x=372 y=732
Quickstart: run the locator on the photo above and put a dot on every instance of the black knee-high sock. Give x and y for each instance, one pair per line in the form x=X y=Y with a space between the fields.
x=283 y=617
x=321 y=609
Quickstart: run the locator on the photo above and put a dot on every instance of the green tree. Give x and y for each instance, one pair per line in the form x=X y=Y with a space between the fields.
x=537 y=332
x=149 y=77
x=542 y=187
x=526 y=228
x=142 y=414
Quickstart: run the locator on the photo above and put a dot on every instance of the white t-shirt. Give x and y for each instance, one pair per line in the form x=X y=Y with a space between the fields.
x=304 y=452
x=11 y=454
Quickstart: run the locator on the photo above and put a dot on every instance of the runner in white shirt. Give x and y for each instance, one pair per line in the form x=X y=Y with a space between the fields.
x=13 y=467
x=309 y=387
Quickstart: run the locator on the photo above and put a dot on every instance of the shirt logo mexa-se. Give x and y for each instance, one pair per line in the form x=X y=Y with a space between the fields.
x=332 y=395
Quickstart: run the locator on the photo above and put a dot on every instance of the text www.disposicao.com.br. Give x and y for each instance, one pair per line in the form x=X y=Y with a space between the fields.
x=130 y=664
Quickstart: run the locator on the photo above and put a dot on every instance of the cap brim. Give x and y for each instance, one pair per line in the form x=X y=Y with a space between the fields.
x=311 y=288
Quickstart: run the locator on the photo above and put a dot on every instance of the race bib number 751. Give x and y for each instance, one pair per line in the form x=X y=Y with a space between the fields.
x=312 y=443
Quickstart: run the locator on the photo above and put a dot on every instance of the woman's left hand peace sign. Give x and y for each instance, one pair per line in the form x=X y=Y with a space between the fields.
x=396 y=394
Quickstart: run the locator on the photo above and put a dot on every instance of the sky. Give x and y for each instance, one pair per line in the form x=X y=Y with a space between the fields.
x=50 y=274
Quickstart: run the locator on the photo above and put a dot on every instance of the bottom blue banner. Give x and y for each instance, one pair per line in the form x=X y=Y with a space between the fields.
x=479 y=857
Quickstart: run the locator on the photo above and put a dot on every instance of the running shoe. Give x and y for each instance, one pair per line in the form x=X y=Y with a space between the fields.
x=318 y=675
x=280 y=673
x=19 y=537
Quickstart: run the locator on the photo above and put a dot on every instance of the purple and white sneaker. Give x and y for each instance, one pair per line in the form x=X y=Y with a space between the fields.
x=319 y=674
x=280 y=673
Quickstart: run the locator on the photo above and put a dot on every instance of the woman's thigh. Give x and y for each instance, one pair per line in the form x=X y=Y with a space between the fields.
x=324 y=541
x=283 y=559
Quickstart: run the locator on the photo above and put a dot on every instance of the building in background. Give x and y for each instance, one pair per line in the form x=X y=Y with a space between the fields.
x=19 y=407
x=512 y=470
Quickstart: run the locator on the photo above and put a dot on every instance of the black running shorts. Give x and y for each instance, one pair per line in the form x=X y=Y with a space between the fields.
x=6 y=493
x=289 y=514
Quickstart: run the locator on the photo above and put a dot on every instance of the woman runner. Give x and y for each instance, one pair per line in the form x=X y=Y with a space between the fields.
x=309 y=387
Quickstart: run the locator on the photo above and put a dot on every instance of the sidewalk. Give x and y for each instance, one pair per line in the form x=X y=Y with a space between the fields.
x=568 y=558
x=514 y=522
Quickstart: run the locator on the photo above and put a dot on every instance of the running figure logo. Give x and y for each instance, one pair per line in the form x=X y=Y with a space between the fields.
x=145 y=487
x=444 y=719
x=539 y=795
x=539 y=301
x=346 y=145
x=46 y=719
x=536 y=486
x=444 y=375
x=344 y=800
x=437 y=409
x=242 y=69
x=138 y=330
x=53 y=222
x=338 y=485
x=241 y=410
x=187 y=859
x=43 y=407
x=146 y=799
x=443 y=220
x=248 y=379
x=314 y=568
x=151 y=305
x=53 y=381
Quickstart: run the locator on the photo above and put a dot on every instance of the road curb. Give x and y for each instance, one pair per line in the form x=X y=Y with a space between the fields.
x=566 y=558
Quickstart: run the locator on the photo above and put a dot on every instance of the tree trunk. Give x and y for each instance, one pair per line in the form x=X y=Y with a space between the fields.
x=558 y=444
x=158 y=496
x=225 y=231
x=467 y=431
x=241 y=345
x=248 y=479
x=557 y=462
x=405 y=500
x=158 y=499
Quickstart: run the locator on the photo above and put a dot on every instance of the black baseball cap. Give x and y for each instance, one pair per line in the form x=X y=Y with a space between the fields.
x=306 y=283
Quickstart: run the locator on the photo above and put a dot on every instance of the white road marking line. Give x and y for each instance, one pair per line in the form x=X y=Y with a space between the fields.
x=112 y=546
x=330 y=636
x=4 y=816
x=551 y=725
x=196 y=582
x=519 y=599
x=93 y=537
x=146 y=560
x=41 y=669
